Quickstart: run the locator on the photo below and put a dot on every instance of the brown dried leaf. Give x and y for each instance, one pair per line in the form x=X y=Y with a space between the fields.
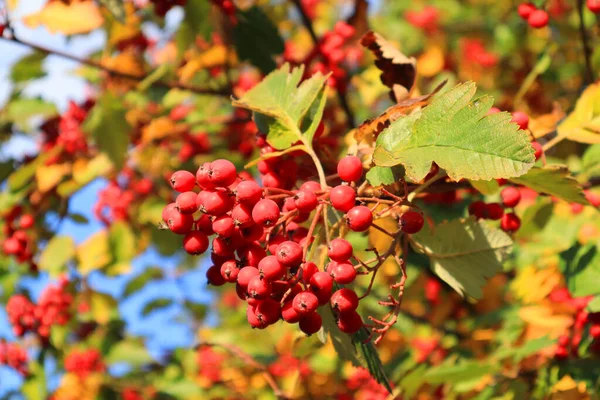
x=398 y=71
x=376 y=125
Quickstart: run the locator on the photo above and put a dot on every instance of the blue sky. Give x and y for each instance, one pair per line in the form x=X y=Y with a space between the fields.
x=59 y=86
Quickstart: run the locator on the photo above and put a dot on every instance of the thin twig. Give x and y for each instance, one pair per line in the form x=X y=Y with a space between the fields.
x=587 y=50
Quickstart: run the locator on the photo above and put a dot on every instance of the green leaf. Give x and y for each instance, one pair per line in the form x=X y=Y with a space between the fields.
x=554 y=180
x=57 y=253
x=20 y=110
x=155 y=305
x=594 y=305
x=528 y=348
x=122 y=241
x=581 y=267
x=464 y=371
x=159 y=73
x=137 y=283
x=455 y=132
x=371 y=357
x=281 y=103
x=378 y=176
x=197 y=17
x=104 y=308
x=28 y=68
x=116 y=8
x=34 y=387
x=130 y=352
x=257 y=39
x=79 y=218
x=59 y=335
x=591 y=160
x=342 y=343
x=486 y=187
x=464 y=253
x=107 y=124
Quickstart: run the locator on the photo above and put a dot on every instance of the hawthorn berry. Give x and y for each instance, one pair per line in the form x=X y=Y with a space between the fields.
x=11 y=246
x=251 y=254
x=222 y=173
x=214 y=202
x=349 y=322
x=494 y=211
x=511 y=196
x=310 y=323
x=308 y=270
x=246 y=274
x=342 y=198
x=230 y=271
x=289 y=254
x=305 y=201
x=167 y=211
x=411 y=222
x=268 y=311
x=521 y=119
x=344 y=300
x=343 y=273
x=305 y=302
x=593 y=6
x=186 y=203
x=248 y=192
x=182 y=181
x=26 y=221
x=223 y=226
x=271 y=269
x=214 y=277
x=510 y=222
x=539 y=151
x=538 y=19
x=359 y=218
x=204 y=224
x=259 y=288
x=350 y=168
x=253 y=319
x=339 y=250
x=265 y=212
x=289 y=314
x=525 y=10
x=478 y=209
x=195 y=242
x=180 y=223
x=310 y=186
x=321 y=282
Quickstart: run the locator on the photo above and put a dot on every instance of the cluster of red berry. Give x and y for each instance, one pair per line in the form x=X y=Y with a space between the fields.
x=568 y=344
x=426 y=19
x=14 y=356
x=509 y=222
x=84 y=362
x=115 y=200
x=536 y=18
x=53 y=308
x=162 y=7
x=474 y=51
x=19 y=243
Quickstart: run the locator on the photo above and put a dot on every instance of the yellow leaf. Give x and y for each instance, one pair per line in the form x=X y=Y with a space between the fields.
x=12 y=4
x=546 y=123
x=431 y=62
x=213 y=57
x=543 y=321
x=48 y=176
x=94 y=253
x=583 y=123
x=378 y=239
x=102 y=306
x=71 y=19
x=129 y=31
x=533 y=285
x=568 y=389
x=160 y=128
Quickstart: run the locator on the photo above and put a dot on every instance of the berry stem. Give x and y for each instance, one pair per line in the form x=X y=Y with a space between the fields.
x=311 y=230
x=425 y=185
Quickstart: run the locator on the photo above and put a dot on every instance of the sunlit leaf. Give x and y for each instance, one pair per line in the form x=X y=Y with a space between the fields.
x=57 y=253
x=554 y=180
x=69 y=19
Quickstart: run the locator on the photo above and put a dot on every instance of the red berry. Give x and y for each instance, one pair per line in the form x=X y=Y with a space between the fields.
x=274 y=242
x=311 y=323
x=214 y=277
x=478 y=209
x=266 y=212
x=595 y=331
x=344 y=300
x=411 y=222
x=593 y=6
x=525 y=10
x=311 y=186
x=350 y=168
x=223 y=226
x=245 y=275
x=203 y=176
x=289 y=254
x=339 y=250
x=251 y=254
x=180 y=223
x=26 y=221
x=222 y=173
x=272 y=180
x=222 y=247
x=253 y=318
x=289 y=314
x=342 y=198
x=493 y=110
x=538 y=19
x=561 y=353
x=214 y=202
x=494 y=211
x=11 y=246
x=248 y=192
x=539 y=151
x=195 y=242
x=204 y=224
x=259 y=288
x=308 y=270
x=268 y=311
x=359 y=218
x=321 y=282
x=510 y=222
x=304 y=303
x=271 y=269
x=511 y=196
x=186 y=203
x=521 y=119
x=182 y=181
x=343 y=273
x=349 y=322
x=305 y=201
x=167 y=211
x=230 y=271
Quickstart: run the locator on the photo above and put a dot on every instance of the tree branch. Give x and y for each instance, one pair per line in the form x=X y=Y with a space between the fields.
x=96 y=64
x=587 y=50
